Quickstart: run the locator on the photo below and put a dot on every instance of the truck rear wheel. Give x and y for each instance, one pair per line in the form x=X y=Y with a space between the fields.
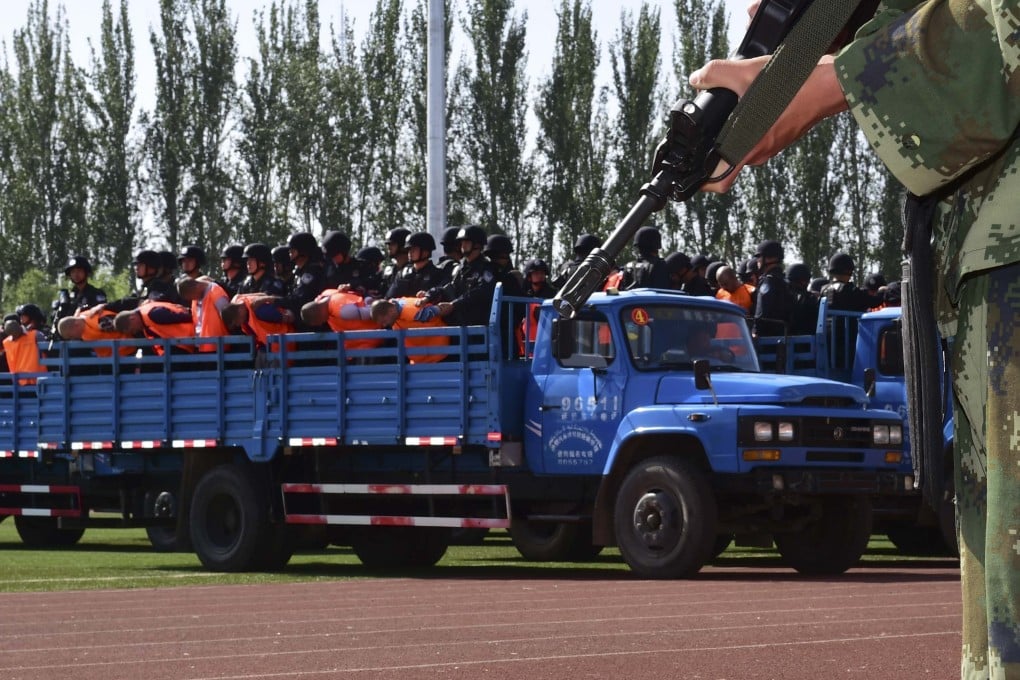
x=665 y=518
x=832 y=543
x=230 y=524
x=397 y=547
x=43 y=532
x=553 y=541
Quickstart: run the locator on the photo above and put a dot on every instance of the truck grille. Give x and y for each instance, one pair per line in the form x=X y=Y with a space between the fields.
x=836 y=433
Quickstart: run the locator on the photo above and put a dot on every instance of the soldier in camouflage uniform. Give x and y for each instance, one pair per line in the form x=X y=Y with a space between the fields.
x=935 y=86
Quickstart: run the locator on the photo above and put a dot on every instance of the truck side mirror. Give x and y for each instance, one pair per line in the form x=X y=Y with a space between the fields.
x=869 y=381
x=702 y=370
x=564 y=338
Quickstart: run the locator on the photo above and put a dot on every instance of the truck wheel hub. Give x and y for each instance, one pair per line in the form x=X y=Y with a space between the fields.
x=656 y=520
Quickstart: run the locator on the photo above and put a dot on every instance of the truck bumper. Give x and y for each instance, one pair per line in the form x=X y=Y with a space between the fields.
x=767 y=481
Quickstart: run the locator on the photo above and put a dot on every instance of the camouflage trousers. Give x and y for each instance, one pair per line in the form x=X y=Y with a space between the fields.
x=986 y=386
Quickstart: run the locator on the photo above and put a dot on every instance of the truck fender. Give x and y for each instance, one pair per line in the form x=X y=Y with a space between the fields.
x=641 y=435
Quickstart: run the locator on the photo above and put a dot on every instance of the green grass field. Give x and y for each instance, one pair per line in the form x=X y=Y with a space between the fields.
x=123 y=558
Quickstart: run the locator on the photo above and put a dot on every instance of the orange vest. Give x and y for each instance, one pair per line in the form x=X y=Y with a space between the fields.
x=23 y=355
x=152 y=330
x=528 y=326
x=93 y=331
x=741 y=296
x=406 y=320
x=259 y=329
x=614 y=279
x=337 y=301
x=206 y=313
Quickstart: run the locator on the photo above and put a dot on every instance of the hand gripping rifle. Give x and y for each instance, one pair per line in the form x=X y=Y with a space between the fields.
x=714 y=126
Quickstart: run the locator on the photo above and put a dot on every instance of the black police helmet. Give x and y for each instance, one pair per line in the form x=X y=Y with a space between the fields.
x=798 y=272
x=648 y=238
x=678 y=262
x=841 y=263
x=167 y=260
x=398 y=237
x=304 y=243
x=422 y=240
x=32 y=311
x=150 y=258
x=335 y=243
x=233 y=252
x=817 y=284
x=875 y=281
x=893 y=293
x=281 y=255
x=536 y=265
x=586 y=243
x=497 y=245
x=78 y=261
x=194 y=252
x=449 y=238
x=699 y=261
x=259 y=251
x=473 y=233
x=712 y=271
x=371 y=254
x=770 y=250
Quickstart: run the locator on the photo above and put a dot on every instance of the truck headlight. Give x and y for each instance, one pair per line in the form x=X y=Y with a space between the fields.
x=762 y=431
x=785 y=432
x=880 y=434
x=895 y=434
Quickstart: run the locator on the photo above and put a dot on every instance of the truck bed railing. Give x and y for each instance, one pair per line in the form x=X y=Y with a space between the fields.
x=826 y=353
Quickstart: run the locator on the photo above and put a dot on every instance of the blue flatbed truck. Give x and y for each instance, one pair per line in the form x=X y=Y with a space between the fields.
x=866 y=349
x=644 y=422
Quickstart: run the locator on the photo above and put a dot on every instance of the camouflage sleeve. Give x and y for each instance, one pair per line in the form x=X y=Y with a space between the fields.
x=936 y=87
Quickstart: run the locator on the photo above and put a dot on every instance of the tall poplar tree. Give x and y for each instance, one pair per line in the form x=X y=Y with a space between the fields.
x=490 y=128
x=572 y=135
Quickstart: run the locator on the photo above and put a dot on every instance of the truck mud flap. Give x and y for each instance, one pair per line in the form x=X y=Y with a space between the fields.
x=424 y=504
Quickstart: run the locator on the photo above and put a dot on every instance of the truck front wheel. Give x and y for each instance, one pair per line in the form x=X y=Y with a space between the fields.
x=553 y=541
x=665 y=518
x=832 y=543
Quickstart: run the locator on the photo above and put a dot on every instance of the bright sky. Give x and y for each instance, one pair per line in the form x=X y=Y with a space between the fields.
x=84 y=18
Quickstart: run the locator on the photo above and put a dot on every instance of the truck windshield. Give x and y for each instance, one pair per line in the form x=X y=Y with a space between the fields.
x=664 y=337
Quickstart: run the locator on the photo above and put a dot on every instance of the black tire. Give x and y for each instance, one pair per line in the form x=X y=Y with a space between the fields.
x=231 y=528
x=163 y=539
x=400 y=547
x=42 y=532
x=553 y=541
x=917 y=541
x=468 y=536
x=665 y=518
x=834 y=542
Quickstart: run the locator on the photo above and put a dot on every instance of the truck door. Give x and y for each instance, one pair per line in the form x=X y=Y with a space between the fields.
x=582 y=402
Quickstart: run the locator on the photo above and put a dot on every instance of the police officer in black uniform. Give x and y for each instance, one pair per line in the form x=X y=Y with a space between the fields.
x=191 y=261
x=258 y=262
x=648 y=270
x=151 y=270
x=684 y=276
x=841 y=291
x=583 y=245
x=804 y=315
x=232 y=267
x=341 y=268
x=467 y=298
x=309 y=276
x=32 y=318
x=451 y=256
x=422 y=274
x=283 y=268
x=499 y=250
x=371 y=259
x=396 y=245
x=774 y=305
x=81 y=295
x=536 y=280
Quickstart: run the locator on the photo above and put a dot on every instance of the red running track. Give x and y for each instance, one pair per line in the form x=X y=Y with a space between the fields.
x=728 y=624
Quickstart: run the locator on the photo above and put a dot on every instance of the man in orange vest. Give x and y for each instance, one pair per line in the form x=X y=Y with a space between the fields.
x=21 y=347
x=399 y=314
x=257 y=316
x=342 y=311
x=92 y=324
x=733 y=290
x=157 y=319
x=207 y=299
